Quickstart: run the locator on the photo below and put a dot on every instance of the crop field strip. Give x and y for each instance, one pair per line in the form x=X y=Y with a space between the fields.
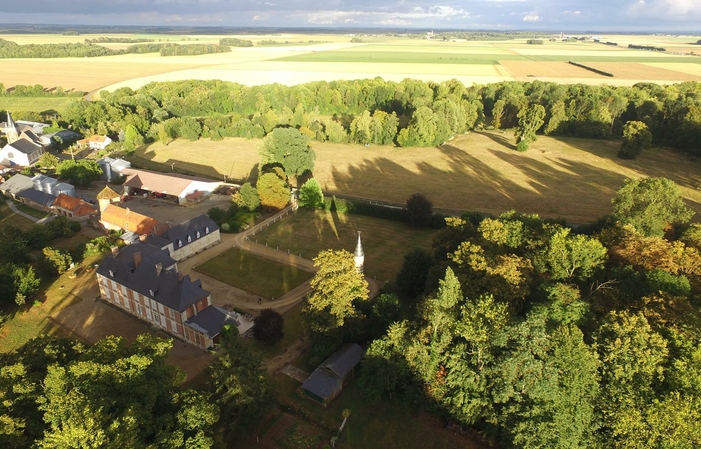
x=558 y=177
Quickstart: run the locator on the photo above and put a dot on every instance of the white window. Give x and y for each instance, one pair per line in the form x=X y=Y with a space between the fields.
x=10 y=155
x=206 y=230
x=180 y=243
x=189 y=239
x=198 y=234
x=172 y=314
x=111 y=273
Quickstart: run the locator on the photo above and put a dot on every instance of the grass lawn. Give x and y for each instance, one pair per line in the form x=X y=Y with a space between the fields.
x=36 y=213
x=571 y=178
x=385 y=242
x=36 y=104
x=293 y=331
x=253 y=274
x=375 y=424
x=7 y=217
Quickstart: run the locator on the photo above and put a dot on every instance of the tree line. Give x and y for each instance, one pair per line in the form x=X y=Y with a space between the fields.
x=89 y=49
x=533 y=333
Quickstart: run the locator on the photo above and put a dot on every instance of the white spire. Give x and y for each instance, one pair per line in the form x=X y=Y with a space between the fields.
x=359 y=255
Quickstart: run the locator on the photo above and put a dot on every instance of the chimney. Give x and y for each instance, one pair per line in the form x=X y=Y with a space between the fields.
x=159 y=268
x=128 y=210
x=115 y=251
x=142 y=237
x=180 y=275
x=137 y=259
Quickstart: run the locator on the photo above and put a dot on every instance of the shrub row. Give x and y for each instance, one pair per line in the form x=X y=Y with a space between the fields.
x=591 y=69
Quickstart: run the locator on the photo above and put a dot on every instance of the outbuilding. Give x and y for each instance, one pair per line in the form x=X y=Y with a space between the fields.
x=326 y=382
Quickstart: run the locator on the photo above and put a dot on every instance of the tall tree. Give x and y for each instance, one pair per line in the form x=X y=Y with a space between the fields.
x=337 y=286
x=529 y=121
x=310 y=195
x=650 y=205
x=419 y=211
x=290 y=148
x=636 y=139
x=273 y=191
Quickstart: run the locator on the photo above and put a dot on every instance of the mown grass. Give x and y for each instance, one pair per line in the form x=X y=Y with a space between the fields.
x=384 y=242
x=253 y=274
x=31 y=211
x=7 y=217
x=36 y=104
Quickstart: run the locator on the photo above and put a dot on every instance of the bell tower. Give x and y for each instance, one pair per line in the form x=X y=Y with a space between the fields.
x=359 y=256
x=10 y=129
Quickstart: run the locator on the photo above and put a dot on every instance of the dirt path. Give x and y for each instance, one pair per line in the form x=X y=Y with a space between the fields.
x=291 y=353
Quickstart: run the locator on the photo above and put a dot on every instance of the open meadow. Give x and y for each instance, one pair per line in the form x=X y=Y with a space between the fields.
x=298 y=58
x=558 y=177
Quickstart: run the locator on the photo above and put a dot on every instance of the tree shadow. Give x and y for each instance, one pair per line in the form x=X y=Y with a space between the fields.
x=501 y=139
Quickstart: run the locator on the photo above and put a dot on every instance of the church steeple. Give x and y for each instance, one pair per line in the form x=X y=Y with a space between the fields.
x=10 y=129
x=359 y=255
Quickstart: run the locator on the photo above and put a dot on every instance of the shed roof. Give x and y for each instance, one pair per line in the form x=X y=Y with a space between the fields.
x=73 y=204
x=17 y=184
x=38 y=197
x=171 y=184
x=211 y=320
x=321 y=383
x=130 y=221
x=344 y=359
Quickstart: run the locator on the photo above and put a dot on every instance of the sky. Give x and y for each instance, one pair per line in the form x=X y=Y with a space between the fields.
x=553 y=15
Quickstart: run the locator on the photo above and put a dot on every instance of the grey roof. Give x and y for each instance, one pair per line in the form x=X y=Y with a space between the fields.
x=211 y=320
x=65 y=134
x=24 y=146
x=202 y=224
x=344 y=359
x=165 y=288
x=157 y=241
x=17 y=184
x=38 y=197
x=321 y=383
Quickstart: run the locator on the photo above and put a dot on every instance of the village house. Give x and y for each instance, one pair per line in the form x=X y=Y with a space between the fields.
x=326 y=382
x=73 y=208
x=21 y=152
x=115 y=218
x=95 y=142
x=188 y=238
x=143 y=280
x=36 y=199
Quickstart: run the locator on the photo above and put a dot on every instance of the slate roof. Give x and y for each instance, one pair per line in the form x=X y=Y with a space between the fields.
x=17 y=184
x=29 y=135
x=129 y=220
x=344 y=359
x=211 y=320
x=202 y=224
x=24 y=146
x=171 y=184
x=38 y=197
x=321 y=383
x=165 y=288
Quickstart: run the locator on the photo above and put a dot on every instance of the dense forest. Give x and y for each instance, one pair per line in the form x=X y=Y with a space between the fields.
x=408 y=113
x=90 y=49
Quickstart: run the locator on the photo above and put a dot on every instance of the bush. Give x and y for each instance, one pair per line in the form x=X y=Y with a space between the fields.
x=218 y=215
x=249 y=197
x=376 y=211
x=225 y=227
x=268 y=327
x=310 y=195
x=56 y=261
x=419 y=211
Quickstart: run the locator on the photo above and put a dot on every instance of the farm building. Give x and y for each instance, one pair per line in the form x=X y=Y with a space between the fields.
x=51 y=186
x=36 y=199
x=16 y=184
x=73 y=208
x=112 y=168
x=143 y=280
x=21 y=152
x=327 y=381
x=115 y=218
x=95 y=142
x=65 y=136
x=171 y=185
x=188 y=238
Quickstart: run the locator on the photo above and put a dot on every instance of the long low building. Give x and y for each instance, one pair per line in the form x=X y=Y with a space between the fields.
x=188 y=238
x=172 y=185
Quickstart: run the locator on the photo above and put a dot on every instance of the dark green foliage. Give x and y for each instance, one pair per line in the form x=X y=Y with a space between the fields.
x=99 y=245
x=411 y=279
x=234 y=42
x=650 y=205
x=193 y=49
x=217 y=214
x=530 y=120
x=419 y=211
x=56 y=261
x=636 y=139
x=249 y=196
x=310 y=195
x=80 y=172
x=289 y=148
x=268 y=326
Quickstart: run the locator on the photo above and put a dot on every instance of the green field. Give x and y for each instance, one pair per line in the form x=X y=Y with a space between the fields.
x=253 y=274
x=36 y=104
x=385 y=242
x=7 y=217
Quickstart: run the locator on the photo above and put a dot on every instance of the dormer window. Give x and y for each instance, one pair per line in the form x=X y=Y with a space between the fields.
x=206 y=230
x=111 y=273
x=150 y=292
x=180 y=243
x=198 y=234
x=189 y=239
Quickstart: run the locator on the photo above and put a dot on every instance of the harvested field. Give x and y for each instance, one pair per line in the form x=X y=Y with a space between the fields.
x=523 y=70
x=564 y=177
x=691 y=69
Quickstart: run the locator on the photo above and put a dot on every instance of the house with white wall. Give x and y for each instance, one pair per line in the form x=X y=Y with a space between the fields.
x=172 y=185
x=188 y=238
x=21 y=152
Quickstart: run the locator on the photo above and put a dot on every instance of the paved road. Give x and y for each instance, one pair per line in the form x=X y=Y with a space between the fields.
x=223 y=293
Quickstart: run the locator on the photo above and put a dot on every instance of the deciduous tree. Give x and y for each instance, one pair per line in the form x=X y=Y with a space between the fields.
x=290 y=148
x=636 y=138
x=273 y=191
x=310 y=195
x=269 y=326
x=419 y=211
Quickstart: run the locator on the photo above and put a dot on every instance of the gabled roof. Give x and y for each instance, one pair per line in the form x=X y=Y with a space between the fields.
x=24 y=146
x=107 y=194
x=38 y=197
x=28 y=134
x=73 y=204
x=201 y=224
x=17 y=184
x=129 y=220
x=344 y=359
x=321 y=383
x=211 y=320
x=170 y=184
x=94 y=138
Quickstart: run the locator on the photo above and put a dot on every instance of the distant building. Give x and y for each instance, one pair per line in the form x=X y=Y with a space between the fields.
x=115 y=218
x=95 y=142
x=73 y=208
x=112 y=168
x=188 y=238
x=143 y=280
x=106 y=197
x=21 y=152
x=36 y=199
x=172 y=185
x=16 y=184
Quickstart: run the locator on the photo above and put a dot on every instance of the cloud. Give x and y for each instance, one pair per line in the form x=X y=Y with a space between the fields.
x=673 y=10
x=574 y=13
x=531 y=17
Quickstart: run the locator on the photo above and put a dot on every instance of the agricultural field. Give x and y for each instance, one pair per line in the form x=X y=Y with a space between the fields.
x=38 y=104
x=558 y=177
x=300 y=58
